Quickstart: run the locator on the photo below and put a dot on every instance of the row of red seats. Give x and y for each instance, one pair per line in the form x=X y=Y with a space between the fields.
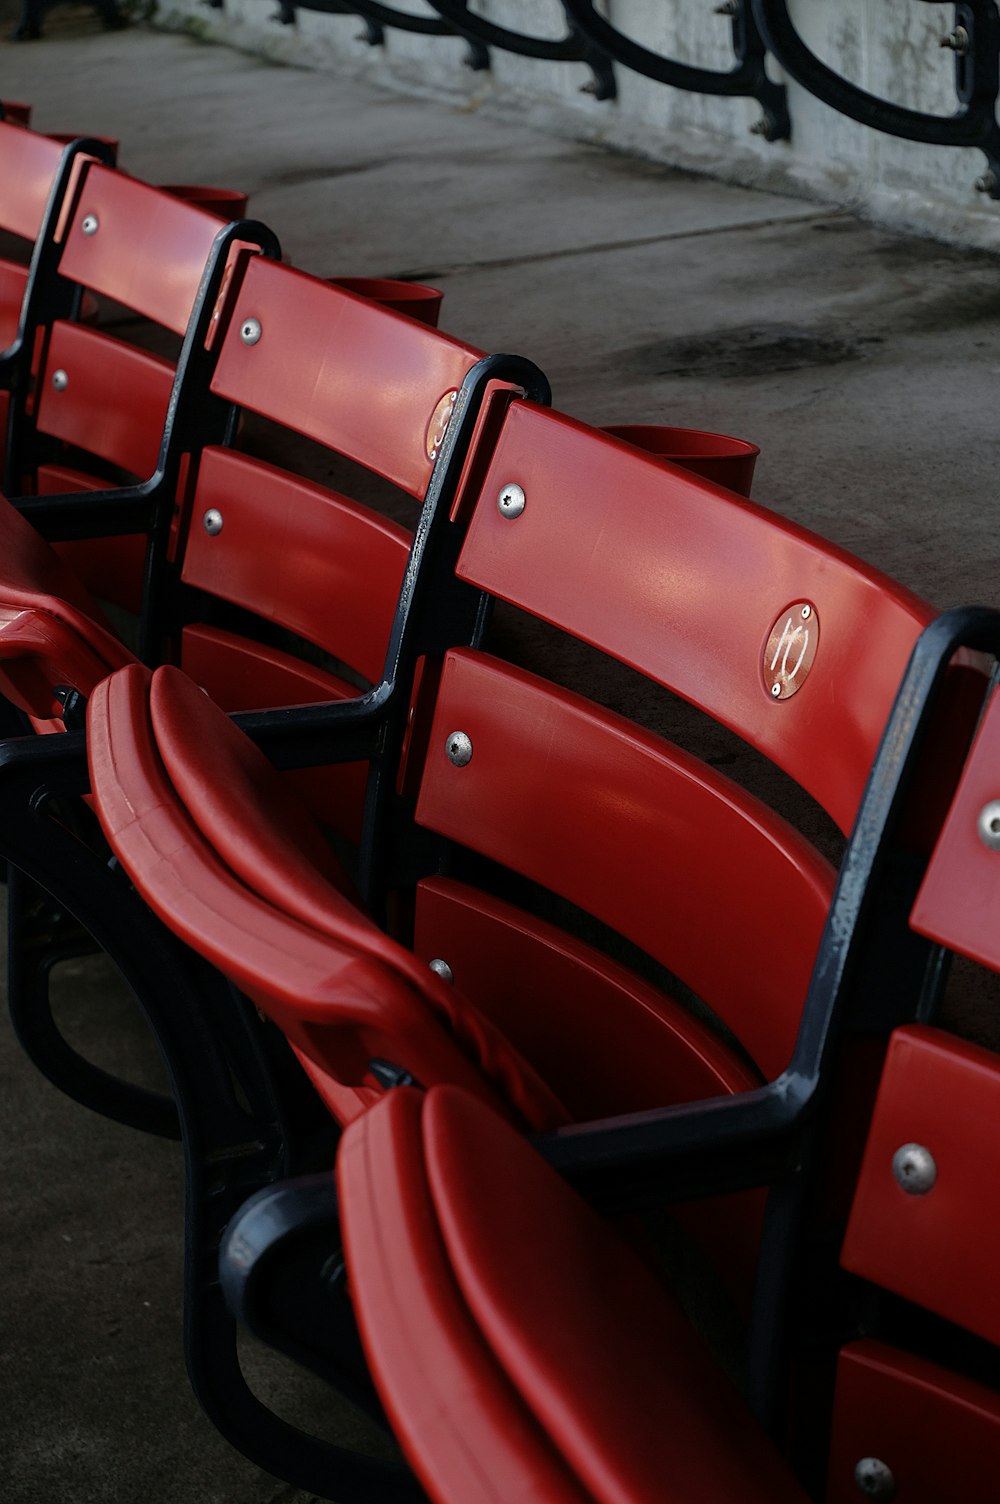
x=476 y=904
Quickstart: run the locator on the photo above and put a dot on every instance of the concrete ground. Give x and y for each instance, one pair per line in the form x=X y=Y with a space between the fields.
x=865 y=366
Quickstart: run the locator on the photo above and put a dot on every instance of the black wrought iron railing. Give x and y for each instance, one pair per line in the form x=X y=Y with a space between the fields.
x=590 y=34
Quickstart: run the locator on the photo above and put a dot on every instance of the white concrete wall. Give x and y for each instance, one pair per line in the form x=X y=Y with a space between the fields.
x=889 y=47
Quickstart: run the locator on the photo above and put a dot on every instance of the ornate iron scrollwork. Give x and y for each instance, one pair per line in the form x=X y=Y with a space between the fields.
x=748 y=78
x=574 y=47
x=377 y=17
x=975 y=42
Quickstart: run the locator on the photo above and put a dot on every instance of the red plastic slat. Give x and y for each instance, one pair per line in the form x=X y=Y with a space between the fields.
x=606 y=1041
x=937 y=1432
x=706 y=576
x=148 y=251
x=113 y=401
x=959 y=899
x=240 y=674
x=659 y=846
x=296 y=554
x=340 y=369
x=13 y=284
x=939 y=1249
x=28 y=165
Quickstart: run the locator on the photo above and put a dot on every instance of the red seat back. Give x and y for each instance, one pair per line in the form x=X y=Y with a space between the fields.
x=105 y=397
x=28 y=166
x=702 y=591
x=759 y=623
x=297 y=554
x=372 y=385
x=138 y=245
x=375 y=387
x=630 y=830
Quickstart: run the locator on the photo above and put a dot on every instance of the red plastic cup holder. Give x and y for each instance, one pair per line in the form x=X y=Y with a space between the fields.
x=716 y=456
x=414 y=298
x=227 y=203
x=15 y=113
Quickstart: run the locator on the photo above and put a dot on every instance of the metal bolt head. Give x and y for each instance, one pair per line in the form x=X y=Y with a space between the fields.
x=90 y=224
x=510 y=502
x=459 y=749
x=988 y=825
x=766 y=126
x=212 y=521
x=250 y=331
x=874 y=1478
x=914 y=1169
x=60 y=380
x=957 y=41
x=728 y=8
x=442 y=968
x=987 y=182
x=806 y=612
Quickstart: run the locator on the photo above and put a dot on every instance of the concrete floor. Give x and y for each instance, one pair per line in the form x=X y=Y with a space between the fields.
x=864 y=365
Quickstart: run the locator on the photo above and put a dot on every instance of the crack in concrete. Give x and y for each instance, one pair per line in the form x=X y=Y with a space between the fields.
x=306 y=177
x=605 y=247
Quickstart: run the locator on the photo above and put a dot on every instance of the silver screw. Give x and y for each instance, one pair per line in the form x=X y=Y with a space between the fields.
x=987 y=182
x=60 y=380
x=442 y=968
x=957 y=41
x=510 y=502
x=776 y=689
x=728 y=8
x=914 y=1169
x=988 y=825
x=806 y=612
x=90 y=224
x=459 y=749
x=874 y=1478
x=213 y=521
x=250 y=331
